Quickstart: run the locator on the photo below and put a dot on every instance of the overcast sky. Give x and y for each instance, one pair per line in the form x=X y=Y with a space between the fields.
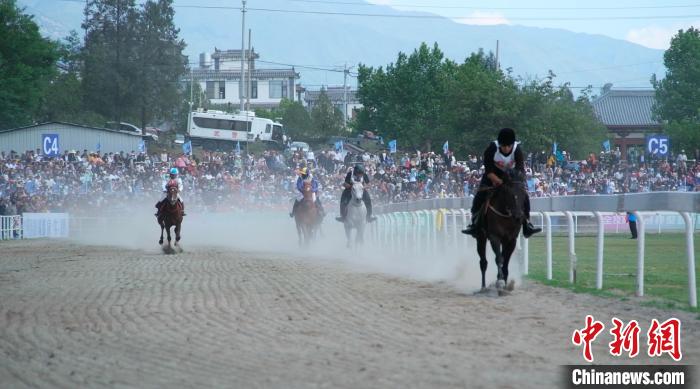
x=651 y=23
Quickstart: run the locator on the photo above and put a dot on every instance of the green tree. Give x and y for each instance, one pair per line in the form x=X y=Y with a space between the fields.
x=27 y=64
x=296 y=119
x=327 y=120
x=162 y=65
x=110 y=77
x=404 y=101
x=678 y=94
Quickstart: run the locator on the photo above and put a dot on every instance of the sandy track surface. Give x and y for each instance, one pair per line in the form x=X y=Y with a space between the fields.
x=94 y=316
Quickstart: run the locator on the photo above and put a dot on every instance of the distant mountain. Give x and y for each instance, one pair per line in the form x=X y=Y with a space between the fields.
x=324 y=41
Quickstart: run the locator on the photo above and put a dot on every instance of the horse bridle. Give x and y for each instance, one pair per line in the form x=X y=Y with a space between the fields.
x=488 y=201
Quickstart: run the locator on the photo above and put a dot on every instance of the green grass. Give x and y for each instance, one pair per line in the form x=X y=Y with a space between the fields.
x=665 y=267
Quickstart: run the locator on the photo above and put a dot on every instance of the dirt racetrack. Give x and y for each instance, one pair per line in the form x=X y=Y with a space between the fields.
x=75 y=315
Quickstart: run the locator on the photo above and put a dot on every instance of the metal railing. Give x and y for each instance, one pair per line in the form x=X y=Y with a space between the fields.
x=11 y=227
x=427 y=223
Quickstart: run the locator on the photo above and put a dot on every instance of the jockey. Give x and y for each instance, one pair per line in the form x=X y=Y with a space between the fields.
x=356 y=174
x=501 y=155
x=173 y=177
x=305 y=175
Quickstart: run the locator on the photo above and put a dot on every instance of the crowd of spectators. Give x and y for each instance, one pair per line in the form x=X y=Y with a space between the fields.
x=84 y=182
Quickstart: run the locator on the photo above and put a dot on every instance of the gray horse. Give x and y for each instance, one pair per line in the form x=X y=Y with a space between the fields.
x=357 y=216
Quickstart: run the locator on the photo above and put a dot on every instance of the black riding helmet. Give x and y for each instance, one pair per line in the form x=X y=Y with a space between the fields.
x=358 y=169
x=506 y=136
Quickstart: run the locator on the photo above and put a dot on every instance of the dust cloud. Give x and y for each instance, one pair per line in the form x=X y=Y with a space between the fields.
x=273 y=234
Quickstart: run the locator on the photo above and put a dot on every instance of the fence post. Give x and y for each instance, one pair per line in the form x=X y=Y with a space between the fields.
x=464 y=212
x=572 y=247
x=599 y=257
x=690 y=249
x=548 y=222
x=455 y=229
x=640 y=254
x=526 y=256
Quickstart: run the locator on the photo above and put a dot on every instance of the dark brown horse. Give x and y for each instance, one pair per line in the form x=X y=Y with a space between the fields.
x=307 y=216
x=171 y=214
x=503 y=215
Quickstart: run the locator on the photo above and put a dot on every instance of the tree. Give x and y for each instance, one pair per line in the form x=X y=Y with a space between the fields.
x=27 y=63
x=133 y=60
x=678 y=94
x=159 y=53
x=405 y=99
x=296 y=119
x=327 y=120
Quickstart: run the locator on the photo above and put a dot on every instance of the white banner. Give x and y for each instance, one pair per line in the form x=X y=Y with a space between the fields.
x=45 y=225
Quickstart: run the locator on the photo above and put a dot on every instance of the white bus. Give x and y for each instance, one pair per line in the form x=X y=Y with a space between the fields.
x=213 y=127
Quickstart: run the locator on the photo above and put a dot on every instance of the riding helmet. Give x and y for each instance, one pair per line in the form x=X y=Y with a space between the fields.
x=358 y=169
x=506 y=136
x=173 y=170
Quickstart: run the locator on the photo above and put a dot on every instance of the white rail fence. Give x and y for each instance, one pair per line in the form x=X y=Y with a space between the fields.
x=11 y=227
x=431 y=226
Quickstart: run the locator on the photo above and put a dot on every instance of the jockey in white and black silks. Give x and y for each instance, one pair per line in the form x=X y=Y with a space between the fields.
x=306 y=176
x=501 y=155
x=180 y=187
x=356 y=174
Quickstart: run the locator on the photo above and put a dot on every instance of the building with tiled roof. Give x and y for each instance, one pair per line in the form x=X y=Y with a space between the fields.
x=219 y=76
x=628 y=115
x=335 y=95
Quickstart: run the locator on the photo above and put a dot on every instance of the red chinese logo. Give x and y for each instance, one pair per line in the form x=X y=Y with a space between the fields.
x=626 y=338
x=662 y=338
x=217 y=133
x=665 y=338
x=587 y=335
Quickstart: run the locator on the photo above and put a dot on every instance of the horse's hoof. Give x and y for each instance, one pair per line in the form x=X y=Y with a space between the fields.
x=483 y=290
x=160 y=242
x=503 y=292
x=511 y=285
x=500 y=284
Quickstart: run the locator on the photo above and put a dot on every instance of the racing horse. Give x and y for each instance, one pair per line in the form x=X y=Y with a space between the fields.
x=307 y=216
x=171 y=214
x=356 y=215
x=502 y=216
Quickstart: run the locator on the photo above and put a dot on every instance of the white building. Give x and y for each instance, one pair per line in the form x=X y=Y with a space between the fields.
x=219 y=75
x=335 y=95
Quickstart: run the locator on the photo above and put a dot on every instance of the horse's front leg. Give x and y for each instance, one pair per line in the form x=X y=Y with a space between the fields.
x=167 y=229
x=162 y=227
x=177 y=233
x=508 y=250
x=496 y=247
x=348 y=235
x=483 y=263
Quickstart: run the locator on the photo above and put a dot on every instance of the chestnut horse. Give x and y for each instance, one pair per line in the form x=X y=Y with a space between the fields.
x=171 y=214
x=307 y=217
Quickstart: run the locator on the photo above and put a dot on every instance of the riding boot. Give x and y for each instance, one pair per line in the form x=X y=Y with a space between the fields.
x=529 y=229
x=159 y=208
x=294 y=208
x=368 y=205
x=343 y=212
x=183 y=208
x=473 y=228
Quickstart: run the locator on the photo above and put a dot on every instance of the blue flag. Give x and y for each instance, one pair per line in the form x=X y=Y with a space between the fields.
x=339 y=146
x=445 y=147
x=238 y=147
x=606 y=146
x=187 y=147
x=99 y=146
x=392 y=146
x=142 y=146
x=554 y=148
